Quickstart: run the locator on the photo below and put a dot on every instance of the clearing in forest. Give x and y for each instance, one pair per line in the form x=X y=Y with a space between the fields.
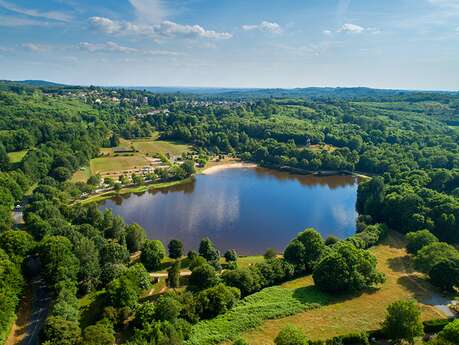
x=364 y=312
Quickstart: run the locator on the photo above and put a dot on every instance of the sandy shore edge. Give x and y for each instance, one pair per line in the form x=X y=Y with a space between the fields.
x=220 y=167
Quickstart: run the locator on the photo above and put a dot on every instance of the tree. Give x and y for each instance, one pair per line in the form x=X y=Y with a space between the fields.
x=445 y=274
x=270 y=254
x=88 y=256
x=451 y=332
x=203 y=277
x=434 y=253
x=152 y=253
x=175 y=249
x=114 y=253
x=17 y=244
x=167 y=308
x=135 y=237
x=305 y=250
x=313 y=247
x=57 y=259
x=419 y=239
x=59 y=331
x=231 y=255
x=291 y=335
x=403 y=321
x=208 y=251
x=99 y=334
x=173 y=275
x=347 y=268
x=216 y=300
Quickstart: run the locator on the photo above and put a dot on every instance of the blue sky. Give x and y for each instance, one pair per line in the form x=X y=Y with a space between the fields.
x=411 y=44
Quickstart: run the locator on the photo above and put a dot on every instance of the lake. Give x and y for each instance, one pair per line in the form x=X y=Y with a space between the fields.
x=248 y=209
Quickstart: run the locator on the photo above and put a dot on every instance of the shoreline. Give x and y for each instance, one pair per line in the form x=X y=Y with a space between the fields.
x=233 y=165
x=213 y=168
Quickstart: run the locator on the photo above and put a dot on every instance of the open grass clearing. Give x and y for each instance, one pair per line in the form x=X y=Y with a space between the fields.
x=161 y=146
x=16 y=157
x=102 y=165
x=350 y=314
x=81 y=175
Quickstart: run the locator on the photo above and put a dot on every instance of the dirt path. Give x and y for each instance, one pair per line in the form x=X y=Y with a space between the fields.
x=32 y=314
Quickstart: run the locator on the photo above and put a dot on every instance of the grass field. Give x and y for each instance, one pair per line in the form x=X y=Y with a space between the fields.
x=114 y=164
x=16 y=157
x=81 y=175
x=347 y=314
x=159 y=146
x=270 y=303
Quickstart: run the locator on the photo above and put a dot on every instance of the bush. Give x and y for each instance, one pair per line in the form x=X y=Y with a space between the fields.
x=432 y=254
x=450 y=332
x=291 y=335
x=435 y=325
x=203 y=277
x=419 y=239
x=230 y=255
x=445 y=274
x=135 y=237
x=347 y=268
x=216 y=300
x=152 y=254
x=403 y=321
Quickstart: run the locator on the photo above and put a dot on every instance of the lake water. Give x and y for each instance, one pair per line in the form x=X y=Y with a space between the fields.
x=248 y=209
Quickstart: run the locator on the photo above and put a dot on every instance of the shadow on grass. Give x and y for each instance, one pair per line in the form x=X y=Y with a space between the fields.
x=92 y=312
x=401 y=264
x=423 y=291
x=311 y=294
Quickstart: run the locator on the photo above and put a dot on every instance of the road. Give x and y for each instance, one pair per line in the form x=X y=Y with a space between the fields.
x=41 y=302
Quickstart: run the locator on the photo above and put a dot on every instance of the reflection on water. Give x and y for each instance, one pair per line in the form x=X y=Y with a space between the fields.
x=246 y=209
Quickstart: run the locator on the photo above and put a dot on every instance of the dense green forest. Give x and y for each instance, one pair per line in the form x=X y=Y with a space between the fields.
x=407 y=142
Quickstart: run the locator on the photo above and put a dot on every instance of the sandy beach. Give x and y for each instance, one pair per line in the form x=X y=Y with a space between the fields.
x=216 y=168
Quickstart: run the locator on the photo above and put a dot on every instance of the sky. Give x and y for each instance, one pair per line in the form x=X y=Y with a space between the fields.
x=405 y=44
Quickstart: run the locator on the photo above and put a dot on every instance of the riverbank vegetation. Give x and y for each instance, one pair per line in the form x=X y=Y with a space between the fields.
x=107 y=281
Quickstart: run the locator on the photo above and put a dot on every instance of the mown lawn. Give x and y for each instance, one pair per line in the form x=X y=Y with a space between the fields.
x=348 y=314
x=160 y=146
x=116 y=164
x=270 y=303
x=16 y=157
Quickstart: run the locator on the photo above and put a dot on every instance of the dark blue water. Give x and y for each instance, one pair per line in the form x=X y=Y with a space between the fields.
x=247 y=209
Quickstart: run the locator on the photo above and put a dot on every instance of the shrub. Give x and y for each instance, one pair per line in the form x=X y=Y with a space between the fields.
x=445 y=274
x=419 y=239
x=403 y=321
x=216 y=300
x=450 y=332
x=203 y=277
x=291 y=335
x=432 y=254
x=230 y=255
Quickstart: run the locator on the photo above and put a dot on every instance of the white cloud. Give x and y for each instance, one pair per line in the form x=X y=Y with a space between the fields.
x=327 y=32
x=34 y=47
x=457 y=29
x=52 y=15
x=12 y=21
x=265 y=26
x=352 y=28
x=110 y=47
x=149 y=11
x=106 y=47
x=165 y=29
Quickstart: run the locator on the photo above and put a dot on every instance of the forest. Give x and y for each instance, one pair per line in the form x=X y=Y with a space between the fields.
x=406 y=142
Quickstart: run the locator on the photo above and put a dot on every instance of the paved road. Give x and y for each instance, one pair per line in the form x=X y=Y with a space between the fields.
x=40 y=307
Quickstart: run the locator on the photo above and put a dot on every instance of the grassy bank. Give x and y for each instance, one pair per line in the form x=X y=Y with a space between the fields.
x=133 y=189
x=270 y=303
